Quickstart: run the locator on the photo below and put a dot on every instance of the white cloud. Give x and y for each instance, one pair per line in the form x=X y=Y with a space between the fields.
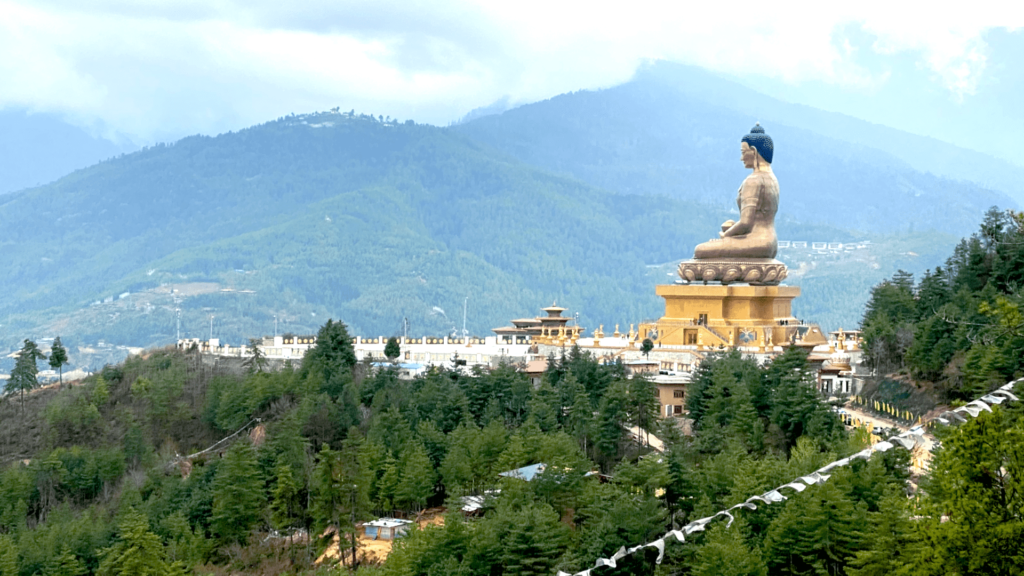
x=162 y=68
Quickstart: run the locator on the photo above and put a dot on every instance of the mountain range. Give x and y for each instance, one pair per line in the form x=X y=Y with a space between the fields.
x=586 y=199
x=674 y=130
x=39 y=148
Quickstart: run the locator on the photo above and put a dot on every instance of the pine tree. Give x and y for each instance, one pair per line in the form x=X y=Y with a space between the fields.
x=136 y=552
x=8 y=556
x=326 y=492
x=698 y=393
x=544 y=407
x=534 y=540
x=50 y=475
x=817 y=532
x=977 y=481
x=457 y=469
x=288 y=444
x=338 y=493
x=487 y=448
x=793 y=360
x=23 y=377
x=58 y=358
x=612 y=415
x=392 y=350
x=643 y=402
x=184 y=544
x=66 y=564
x=100 y=392
x=894 y=543
x=390 y=482
x=517 y=454
x=433 y=440
x=391 y=428
x=567 y=389
x=554 y=369
x=285 y=508
x=646 y=346
x=581 y=416
x=283 y=504
x=797 y=411
x=745 y=423
x=417 y=477
x=257 y=362
x=370 y=458
x=333 y=355
x=725 y=552
x=238 y=497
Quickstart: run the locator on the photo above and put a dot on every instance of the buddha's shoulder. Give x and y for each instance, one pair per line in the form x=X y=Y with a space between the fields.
x=755 y=179
x=760 y=178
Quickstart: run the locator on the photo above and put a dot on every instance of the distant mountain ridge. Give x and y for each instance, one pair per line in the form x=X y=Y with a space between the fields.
x=344 y=216
x=326 y=215
x=922 y=153
x=649 y=136
x=36 y=149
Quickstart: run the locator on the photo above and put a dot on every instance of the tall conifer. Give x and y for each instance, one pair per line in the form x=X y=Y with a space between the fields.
x=238 y=496
x=58 y=358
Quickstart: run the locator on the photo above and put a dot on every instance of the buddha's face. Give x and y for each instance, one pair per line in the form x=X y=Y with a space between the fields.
x=748 y=154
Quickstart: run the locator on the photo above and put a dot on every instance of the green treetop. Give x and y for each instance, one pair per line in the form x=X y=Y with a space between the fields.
x=332 y=358
x=24 y=376
x=8 y=556
x=58 y=358
x=137 y=551
x=392 y=350
x=238 y=496
x=257 y=362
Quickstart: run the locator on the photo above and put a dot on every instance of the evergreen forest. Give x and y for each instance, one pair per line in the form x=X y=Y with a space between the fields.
x=959 y=328
x=166 y=465
x=169 y=463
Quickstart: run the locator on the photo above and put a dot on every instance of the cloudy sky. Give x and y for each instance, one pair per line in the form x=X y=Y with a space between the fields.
x=161 y=69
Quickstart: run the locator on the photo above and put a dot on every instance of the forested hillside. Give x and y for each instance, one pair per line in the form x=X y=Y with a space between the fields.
x=960 y=327
x=337 y=215
x=105 y=486
x=675 y=131
x=332 y=214
x=95 y=479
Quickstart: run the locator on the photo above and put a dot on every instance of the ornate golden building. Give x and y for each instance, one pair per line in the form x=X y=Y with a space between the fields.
x=728 y=316
x=551 y=329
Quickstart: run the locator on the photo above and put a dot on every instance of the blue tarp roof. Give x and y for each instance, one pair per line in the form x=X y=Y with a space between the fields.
x=407 y=365
x=526 y=472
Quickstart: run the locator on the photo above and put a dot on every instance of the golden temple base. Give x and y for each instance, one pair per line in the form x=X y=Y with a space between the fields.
x=712 y=316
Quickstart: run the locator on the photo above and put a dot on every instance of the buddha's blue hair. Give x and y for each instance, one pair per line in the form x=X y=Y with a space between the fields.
x=761 y=142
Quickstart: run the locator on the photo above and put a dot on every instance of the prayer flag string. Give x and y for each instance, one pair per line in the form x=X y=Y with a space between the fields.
x=907 y=440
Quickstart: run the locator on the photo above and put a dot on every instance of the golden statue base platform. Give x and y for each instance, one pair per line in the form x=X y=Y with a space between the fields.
x=709 y=316
x=753 y=271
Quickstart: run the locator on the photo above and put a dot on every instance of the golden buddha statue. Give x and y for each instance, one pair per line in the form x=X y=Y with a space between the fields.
x=745 y=250
x=758 y=200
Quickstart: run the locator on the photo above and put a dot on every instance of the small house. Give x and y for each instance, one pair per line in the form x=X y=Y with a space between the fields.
x=387 y=528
